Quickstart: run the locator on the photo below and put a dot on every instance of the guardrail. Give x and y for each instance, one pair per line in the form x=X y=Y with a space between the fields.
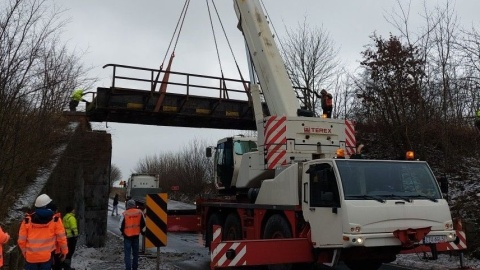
x=150 y=79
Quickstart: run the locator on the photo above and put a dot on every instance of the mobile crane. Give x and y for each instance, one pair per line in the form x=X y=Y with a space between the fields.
x=289 y=196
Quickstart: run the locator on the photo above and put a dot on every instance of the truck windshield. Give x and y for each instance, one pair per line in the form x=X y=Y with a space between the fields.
x=362 y=180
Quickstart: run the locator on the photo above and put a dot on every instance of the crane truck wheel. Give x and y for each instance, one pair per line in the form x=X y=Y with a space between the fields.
x=214 y=219
x=277 y=227
x=233 y=228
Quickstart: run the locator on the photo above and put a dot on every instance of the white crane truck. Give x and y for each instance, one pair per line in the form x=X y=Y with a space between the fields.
x=286 y=198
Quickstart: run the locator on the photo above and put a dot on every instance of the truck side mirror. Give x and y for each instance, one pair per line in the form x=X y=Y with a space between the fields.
x=443 y=185
x=209 y=152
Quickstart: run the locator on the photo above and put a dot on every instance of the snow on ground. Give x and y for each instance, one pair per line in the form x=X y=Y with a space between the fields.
x=25 y=200
x=110 y=257
x=444 y=261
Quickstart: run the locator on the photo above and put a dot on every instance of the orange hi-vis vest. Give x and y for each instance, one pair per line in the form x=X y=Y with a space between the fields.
x=37 y=241
x=132 y=219
x=58 y=249
x=4 y=237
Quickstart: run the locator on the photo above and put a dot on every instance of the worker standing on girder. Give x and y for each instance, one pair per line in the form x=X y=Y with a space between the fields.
x=477 y=119
x=77 y=96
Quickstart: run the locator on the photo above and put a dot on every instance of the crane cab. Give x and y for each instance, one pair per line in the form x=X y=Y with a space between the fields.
x=231 y=154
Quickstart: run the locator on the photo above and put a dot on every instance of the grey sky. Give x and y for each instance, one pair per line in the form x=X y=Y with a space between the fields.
x=137 y=33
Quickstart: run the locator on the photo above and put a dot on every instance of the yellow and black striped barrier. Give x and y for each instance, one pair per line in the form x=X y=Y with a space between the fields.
x=156 y=221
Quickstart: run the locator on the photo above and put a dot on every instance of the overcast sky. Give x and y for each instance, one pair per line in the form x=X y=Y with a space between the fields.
x=137 y=33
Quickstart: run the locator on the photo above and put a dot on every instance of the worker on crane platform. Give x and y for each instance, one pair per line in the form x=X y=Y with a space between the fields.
x=327 y=103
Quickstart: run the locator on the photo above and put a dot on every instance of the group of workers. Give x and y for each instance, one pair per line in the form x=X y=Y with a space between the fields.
x=47 y=241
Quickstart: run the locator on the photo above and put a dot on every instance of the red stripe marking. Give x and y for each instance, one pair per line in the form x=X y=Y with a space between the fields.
x=273 y=130
x=280 y=156
x=272 y=149
x=279 y=136
x=462 y=238
x=272 y=125
x=221 y=253
x=350 y=141
x=237 y=251
x=243 y=261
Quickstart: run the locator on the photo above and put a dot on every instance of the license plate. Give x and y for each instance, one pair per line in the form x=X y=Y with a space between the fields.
x=433 y=239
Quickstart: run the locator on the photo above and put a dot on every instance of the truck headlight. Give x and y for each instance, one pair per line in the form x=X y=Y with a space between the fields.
x=358 y=241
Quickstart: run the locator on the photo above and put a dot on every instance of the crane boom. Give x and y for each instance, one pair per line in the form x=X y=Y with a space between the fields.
x=272 y=74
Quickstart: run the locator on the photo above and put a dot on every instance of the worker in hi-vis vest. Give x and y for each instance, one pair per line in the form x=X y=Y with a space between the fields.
x=327 y=103
x=39 y=234
x=132 y=224
x=77 y=96
x=4 y=237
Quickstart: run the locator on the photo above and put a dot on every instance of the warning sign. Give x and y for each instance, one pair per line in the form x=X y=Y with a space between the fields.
x=156 y=233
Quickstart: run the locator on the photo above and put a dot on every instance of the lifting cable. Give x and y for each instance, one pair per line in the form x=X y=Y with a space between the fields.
x=245 y=86
x=182 y=19
x=163 y=86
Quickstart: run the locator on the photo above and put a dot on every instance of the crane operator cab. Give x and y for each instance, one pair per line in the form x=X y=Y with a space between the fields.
x=227 y=159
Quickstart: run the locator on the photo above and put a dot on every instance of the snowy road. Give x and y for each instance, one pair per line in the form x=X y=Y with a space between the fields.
x=188 y=245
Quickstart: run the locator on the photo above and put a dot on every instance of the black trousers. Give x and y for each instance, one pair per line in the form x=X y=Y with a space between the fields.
x=57 y=263
x=71 y=243
x=73 y=105
x=328 y=112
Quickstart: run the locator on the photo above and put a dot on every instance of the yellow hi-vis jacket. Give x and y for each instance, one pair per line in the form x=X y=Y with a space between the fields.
x=77 y=95
x=70 y=224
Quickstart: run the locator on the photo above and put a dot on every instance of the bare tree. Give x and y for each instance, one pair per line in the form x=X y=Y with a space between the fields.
x=450 y=85
x=311 y=61
x=37 y=74
x=189 y=169
x=470 y=50
x=115 y=174
x=391 y=91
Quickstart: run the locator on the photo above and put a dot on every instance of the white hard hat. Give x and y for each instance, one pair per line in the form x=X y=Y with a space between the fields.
x=42 y=200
